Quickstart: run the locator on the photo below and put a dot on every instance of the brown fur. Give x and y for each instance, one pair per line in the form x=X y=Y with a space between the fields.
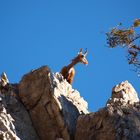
x=68 y=72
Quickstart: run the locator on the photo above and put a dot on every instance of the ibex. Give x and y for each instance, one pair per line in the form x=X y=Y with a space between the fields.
x=68 y=71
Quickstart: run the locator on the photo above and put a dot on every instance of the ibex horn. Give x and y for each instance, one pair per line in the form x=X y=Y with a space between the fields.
x=80 y=52
x=86 y=52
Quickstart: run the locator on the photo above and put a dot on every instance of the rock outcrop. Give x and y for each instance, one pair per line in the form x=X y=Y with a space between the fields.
x=15 y=123
x=119 y=120
x=52 y=104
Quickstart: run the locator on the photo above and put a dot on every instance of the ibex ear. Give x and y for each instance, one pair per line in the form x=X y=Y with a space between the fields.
x=80 y=52
x=86 y=52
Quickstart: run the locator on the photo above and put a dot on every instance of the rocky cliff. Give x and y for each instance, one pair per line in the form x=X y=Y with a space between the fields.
x=43 y=106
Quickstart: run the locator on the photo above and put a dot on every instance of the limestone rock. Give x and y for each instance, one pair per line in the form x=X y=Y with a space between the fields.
x=6 y=126
x=3 y=80
x=52 y=103
x=15 y=122
x=125 y=92
x=119 y=120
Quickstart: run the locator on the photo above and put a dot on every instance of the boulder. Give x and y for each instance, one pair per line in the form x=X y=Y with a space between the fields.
x=52 y=104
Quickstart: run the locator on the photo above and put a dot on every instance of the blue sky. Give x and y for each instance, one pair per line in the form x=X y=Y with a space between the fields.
x=51 y=32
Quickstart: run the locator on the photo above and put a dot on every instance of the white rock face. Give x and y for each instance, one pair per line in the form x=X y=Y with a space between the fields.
x=4 y=80
x=64 y=88
x=125 y=93
x=7 y=129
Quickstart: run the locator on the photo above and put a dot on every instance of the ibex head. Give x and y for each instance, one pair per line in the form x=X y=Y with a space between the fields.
x=82 y=57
